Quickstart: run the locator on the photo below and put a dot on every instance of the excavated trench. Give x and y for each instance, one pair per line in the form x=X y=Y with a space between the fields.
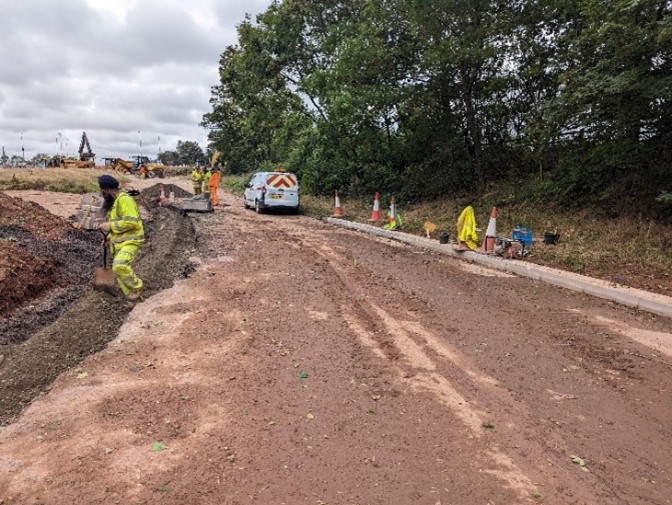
x=52 y=318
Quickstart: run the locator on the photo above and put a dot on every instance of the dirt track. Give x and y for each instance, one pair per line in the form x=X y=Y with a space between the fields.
x=305 y=364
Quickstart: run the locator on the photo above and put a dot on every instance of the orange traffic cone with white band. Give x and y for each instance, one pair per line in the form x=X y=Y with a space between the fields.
x=338 y=211
x=162 y=196
x=393 y=222
x=375 y=213
x=491 y=233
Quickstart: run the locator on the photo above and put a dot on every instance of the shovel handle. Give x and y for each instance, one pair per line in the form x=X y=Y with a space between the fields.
x=104 y=248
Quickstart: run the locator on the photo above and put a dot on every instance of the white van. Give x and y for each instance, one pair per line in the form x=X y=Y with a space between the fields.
x=272 y=190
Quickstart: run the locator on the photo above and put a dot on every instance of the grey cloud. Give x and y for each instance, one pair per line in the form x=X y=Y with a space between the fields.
x=68 y=68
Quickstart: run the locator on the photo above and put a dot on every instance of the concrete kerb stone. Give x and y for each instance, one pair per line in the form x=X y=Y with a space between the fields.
x=630 y=297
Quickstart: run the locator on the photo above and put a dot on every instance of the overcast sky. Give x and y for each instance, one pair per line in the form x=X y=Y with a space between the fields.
x=135 y=75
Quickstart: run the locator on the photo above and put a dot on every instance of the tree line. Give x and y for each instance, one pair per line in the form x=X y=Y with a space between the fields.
x=424 y=98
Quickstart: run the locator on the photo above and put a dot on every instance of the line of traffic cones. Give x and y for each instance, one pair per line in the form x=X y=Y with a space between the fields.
x=393 y=221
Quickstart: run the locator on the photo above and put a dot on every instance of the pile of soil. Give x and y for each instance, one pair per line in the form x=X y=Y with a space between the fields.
x=51 y=316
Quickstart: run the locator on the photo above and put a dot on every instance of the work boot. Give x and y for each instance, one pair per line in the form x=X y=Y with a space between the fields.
x=134 y=297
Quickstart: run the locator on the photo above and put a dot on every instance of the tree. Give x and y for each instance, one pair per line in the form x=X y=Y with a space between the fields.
x=169 y=158
x=615 y=102
x=189 y=152
x=40 y=159
x=426 y=97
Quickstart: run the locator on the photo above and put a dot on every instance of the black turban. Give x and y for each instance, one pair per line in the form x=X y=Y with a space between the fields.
x=107 y=182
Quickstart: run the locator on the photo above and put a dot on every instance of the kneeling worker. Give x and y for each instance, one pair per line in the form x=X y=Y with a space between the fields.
x=124 y=234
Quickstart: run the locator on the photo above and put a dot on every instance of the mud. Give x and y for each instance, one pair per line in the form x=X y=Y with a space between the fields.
x=299 y=363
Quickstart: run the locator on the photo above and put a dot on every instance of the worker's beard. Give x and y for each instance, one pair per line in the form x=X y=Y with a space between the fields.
x=108 y=201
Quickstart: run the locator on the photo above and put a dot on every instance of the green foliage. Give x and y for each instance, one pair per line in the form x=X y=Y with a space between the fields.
x=189 y=152
x=169 y=157
x=427 y=98
x=665 y=198
x=235 y=183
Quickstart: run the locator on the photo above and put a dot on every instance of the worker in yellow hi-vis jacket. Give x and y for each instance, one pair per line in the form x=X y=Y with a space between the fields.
x=124 y=234
x=197 y=180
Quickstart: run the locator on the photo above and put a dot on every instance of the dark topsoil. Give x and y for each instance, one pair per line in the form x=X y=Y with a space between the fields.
x=51 y=316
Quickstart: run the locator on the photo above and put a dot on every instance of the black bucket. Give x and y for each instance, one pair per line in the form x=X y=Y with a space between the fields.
x=443 y=238
x=551 y=238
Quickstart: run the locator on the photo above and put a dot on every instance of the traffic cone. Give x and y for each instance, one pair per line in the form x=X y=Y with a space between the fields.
x=338 y=211
x=162 y=196
x=491 y=233
x=375 y=214
x=392 y=217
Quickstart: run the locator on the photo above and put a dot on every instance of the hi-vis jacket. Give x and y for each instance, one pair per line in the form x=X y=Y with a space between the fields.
x=466 y=228
x=197 y=177
x=125 y=223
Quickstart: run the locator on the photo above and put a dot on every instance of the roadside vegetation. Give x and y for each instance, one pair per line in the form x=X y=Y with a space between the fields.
x=590 y=243
x=430 y=99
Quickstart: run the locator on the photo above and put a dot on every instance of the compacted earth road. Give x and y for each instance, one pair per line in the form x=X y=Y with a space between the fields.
x=294 y=362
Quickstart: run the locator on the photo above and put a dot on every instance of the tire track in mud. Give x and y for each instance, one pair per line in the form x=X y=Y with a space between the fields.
x=341 y=303
x=409 y=341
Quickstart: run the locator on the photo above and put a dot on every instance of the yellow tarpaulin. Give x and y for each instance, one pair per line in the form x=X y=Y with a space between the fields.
x=466 y=228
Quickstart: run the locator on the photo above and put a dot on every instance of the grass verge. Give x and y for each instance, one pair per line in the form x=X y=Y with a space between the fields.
x=614 y=249
x=63 y=180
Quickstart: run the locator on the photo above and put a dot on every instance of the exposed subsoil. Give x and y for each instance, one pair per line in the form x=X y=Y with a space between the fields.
x=50 y=313
x=281 y=360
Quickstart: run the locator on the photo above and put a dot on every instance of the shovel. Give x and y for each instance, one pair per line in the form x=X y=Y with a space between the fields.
x=103 y=278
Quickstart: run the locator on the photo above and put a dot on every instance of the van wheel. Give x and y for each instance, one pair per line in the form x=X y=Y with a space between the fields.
x=257 y=207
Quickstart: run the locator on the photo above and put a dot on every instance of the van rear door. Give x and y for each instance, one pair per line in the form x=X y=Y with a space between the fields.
x=282 y=190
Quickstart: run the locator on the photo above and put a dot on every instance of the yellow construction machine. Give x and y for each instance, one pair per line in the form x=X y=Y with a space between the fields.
x=85 y=153
x=87 y=158
x=146 y=168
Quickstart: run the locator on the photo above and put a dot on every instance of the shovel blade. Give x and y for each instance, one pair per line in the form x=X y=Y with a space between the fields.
x=103 y=280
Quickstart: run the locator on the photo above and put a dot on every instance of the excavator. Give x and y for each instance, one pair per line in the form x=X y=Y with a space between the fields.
x=87 y=155
x=87 y=158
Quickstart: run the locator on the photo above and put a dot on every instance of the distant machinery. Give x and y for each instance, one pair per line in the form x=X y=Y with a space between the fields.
x=85 y=153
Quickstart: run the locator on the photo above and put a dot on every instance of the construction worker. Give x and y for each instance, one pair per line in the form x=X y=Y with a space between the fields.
x=206 y=178
x=197 y=179
x=124 y=234
x=213 y=184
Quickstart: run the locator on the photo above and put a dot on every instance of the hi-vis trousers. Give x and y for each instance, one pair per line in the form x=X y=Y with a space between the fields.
x=121 y=267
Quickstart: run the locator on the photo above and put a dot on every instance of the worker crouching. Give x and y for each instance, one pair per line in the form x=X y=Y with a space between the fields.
x=124 y=235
